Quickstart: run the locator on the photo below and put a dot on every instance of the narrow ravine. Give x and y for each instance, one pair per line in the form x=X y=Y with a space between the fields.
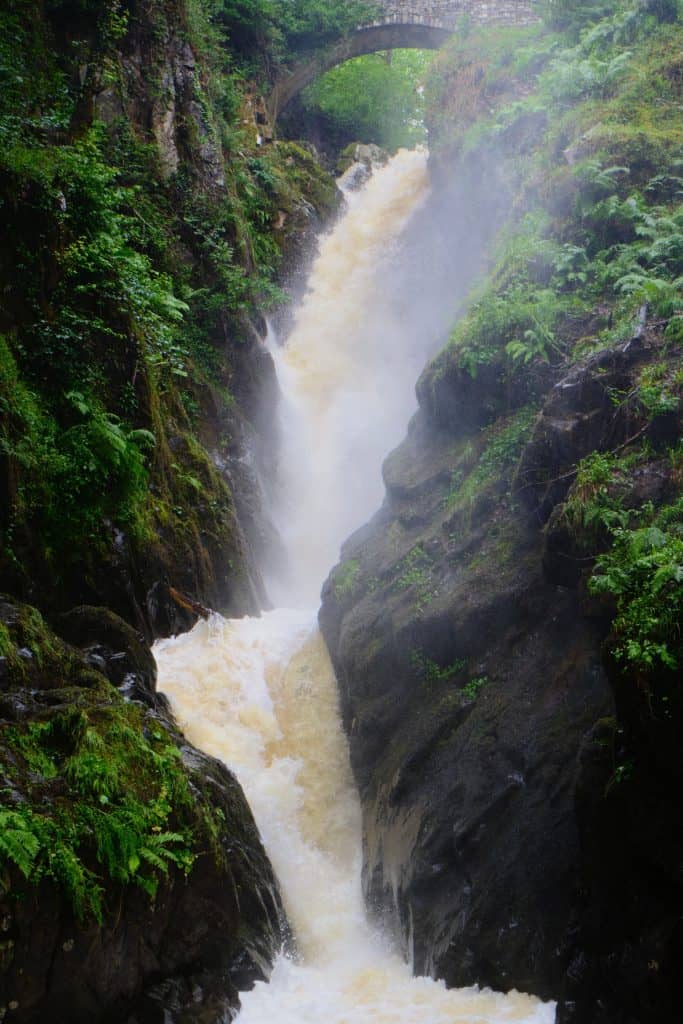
x=260 y=692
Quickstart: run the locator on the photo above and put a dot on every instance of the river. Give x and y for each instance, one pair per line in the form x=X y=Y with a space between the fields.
x=260 y=693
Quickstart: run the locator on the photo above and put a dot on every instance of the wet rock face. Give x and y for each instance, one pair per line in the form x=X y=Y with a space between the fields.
x=481 y=713
x=179 y=958
x=468 y=683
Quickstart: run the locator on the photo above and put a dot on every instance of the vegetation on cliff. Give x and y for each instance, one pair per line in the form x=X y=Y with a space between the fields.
x=142 y=222
x=145 y=217
x=115 y=834
x=531 y=537
x=146 y=212
x=98 y=786
x=597 y=239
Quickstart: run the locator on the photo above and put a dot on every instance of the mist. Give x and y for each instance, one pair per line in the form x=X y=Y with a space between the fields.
x=382 y=296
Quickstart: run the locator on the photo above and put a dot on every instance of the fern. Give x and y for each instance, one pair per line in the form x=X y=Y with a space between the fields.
x=80 y=884
x=644 y=572
x=18 y=843
x=124 y=790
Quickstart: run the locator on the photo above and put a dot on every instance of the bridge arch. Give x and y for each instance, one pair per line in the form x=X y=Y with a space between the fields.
x=401 y=24
x=406 y=35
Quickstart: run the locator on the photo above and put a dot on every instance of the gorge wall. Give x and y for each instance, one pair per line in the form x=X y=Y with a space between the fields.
x=144 y=221
x=506 y=631
x=512 y=730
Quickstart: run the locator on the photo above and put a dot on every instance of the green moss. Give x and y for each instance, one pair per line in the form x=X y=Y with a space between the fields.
x=429 y=672
x=304 y=175
x=603 y=182
x=129 y=289
x=99 y=794
x=471 y=690
x=122 y=792
x=7 y=648
x=502 y=447
x=107 y=801
x=416 y=571
x=346 y=578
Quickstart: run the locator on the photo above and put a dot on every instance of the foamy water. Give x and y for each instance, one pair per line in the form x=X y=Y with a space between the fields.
x=347 y=375
x=260 y=693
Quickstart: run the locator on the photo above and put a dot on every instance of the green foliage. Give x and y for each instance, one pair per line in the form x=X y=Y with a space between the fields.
x=102 y=281
x=6 y=645
x=247 y=25
x=643 y=570
x=517 y=312
x=606 y=175
x=576 y=14
x=284 y=29
x=125 y=291
x=416 y=576
x=119 y=784
x=595 y=500
x=307 y=24
x=18 y=843
x=471 y=689
x=346 y=578
x=502 y=448
x=660 y=389
x=70 y=478
x=373 y=99
x=428 y=670
x=569 y=79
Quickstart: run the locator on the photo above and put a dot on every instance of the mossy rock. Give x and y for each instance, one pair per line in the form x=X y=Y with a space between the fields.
x=111 y=824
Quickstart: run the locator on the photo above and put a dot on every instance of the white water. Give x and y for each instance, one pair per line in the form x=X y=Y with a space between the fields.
x=261 y=694
x=347 y=375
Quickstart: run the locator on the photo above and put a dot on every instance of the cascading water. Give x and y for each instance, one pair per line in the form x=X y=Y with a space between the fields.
x=261 y=694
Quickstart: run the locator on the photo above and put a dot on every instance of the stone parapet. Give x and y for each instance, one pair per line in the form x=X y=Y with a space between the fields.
x=446 y=14
x=417 y=24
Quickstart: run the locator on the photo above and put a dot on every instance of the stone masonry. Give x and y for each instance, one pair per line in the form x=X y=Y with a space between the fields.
x=447 y=14
x=422 y=24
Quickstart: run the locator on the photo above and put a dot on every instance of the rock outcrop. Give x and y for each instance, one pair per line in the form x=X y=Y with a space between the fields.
x=208 y=926
x=146 y=211
x=473 y=685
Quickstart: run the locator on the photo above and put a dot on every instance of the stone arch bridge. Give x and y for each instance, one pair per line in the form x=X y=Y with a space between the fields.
x=408 y=24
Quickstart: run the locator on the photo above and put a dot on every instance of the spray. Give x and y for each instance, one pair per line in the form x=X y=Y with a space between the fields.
x=260 y=693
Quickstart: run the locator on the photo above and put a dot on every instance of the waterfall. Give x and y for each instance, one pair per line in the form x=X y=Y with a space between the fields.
x=260 y=693
x=347 y=375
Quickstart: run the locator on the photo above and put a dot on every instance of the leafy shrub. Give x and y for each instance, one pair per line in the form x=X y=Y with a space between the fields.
x=576 y=14
x=371 y=100
x=595 y=505
x=122 y=785
x=70 y=478
x=502 y=449
x=526 y=295
x=346 y=578
x=430 y=672
x=307 y=24
x=643 y=570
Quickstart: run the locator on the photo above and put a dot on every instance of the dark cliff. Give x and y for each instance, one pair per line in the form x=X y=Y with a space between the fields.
x=147 y=218
x=144 y=220
x=506 y=630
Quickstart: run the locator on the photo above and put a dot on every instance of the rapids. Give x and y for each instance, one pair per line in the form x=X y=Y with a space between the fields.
x=260 y=693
